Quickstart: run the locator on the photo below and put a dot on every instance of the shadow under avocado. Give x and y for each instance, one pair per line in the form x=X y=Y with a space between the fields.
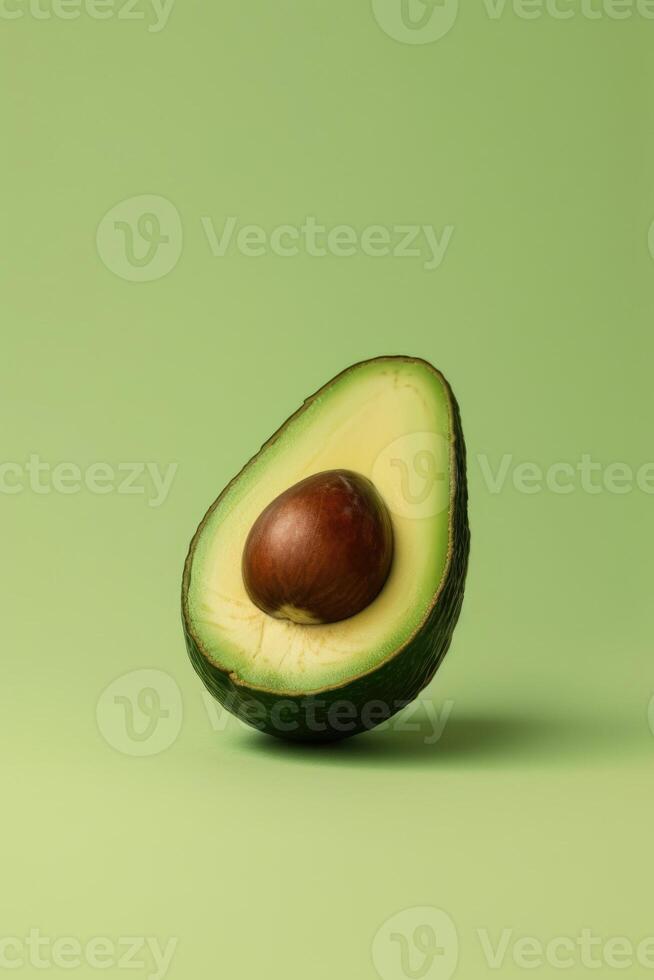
x=481 y=740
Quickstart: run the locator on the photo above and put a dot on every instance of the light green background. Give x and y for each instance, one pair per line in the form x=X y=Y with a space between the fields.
x=533 y=138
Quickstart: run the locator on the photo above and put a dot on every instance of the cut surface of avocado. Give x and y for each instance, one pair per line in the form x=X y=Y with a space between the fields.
x=394 y=421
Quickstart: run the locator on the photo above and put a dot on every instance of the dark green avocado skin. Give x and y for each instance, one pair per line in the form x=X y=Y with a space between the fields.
x=371 y=699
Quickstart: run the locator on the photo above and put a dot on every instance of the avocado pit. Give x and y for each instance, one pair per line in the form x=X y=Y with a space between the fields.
x=321 y=551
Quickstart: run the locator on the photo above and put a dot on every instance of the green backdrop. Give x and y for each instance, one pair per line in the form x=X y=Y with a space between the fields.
x=522 y=138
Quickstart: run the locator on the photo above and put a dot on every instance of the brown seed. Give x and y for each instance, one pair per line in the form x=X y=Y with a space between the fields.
x=321 y=551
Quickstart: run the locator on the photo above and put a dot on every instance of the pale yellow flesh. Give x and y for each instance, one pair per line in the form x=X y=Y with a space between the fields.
x=389 y=421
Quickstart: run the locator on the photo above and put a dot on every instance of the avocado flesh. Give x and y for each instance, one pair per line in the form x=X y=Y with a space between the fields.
x=395 y=421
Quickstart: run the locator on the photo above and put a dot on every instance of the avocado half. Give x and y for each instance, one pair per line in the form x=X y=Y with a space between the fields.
x=395 y=421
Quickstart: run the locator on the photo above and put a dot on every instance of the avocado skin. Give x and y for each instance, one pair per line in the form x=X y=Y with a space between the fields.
x=369 y=700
